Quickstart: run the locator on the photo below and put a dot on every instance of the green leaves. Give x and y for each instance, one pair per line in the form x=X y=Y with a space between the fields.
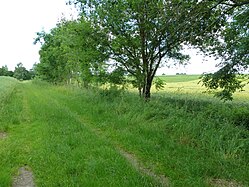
x=159 y=83
x=141 y=35
x=233 y=51
x=21 y=73
x=226 y=80
x=71 y=51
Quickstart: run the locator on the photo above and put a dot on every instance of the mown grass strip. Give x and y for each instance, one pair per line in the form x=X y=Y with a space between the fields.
x=60 y=150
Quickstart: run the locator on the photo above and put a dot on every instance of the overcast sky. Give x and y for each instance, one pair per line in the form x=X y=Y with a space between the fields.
x=21 y=19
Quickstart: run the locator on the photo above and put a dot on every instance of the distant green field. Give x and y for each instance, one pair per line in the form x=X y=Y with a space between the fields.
x=178 y=78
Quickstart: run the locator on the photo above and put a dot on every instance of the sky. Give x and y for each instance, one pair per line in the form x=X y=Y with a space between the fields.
x=20 y=20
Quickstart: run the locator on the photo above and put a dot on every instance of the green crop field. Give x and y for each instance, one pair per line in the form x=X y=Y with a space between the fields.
x=68 y=136
x=179 y=78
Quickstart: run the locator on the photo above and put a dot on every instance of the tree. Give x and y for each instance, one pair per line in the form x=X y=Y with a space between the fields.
x=52 y=63
x=32 y=72
x=71 y=51
x=10 y=73
x=144 y=34
x=4 y=71
x=21 y=73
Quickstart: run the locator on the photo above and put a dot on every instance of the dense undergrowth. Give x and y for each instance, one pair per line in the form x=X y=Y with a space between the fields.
x=71 y=137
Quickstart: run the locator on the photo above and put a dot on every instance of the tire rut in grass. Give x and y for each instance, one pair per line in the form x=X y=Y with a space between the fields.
x=26 y=110
x=135 y=163
x=224 y=183
x=131 y=158
x=24 y=176
x=140 y=167
x=24 y=179
x=26 y=116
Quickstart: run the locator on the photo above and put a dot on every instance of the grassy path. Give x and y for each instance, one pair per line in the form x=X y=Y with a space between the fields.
x=71 y=137
x=61 y=150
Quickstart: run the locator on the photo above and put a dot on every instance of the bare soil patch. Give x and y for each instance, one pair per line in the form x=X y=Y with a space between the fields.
x=135 y=163
x=24 y=179
x=224 y=183
x=3 y=135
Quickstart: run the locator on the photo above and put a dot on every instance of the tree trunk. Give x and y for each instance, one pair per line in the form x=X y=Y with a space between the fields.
x=147 y=88
x=140 y=91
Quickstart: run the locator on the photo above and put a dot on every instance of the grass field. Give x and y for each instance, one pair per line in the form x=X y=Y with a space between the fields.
x=73 y=137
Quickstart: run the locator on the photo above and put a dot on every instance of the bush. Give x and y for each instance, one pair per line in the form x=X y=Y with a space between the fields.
x=241 y=117
x=111 y=93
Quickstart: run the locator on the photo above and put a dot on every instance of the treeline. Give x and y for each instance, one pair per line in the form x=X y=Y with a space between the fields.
x=76 y=52
x=20 y=72
x=113 y=39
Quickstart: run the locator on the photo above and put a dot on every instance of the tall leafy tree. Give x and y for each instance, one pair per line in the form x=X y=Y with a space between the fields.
x=70 y=51
x=145 y=34
x=52 y=57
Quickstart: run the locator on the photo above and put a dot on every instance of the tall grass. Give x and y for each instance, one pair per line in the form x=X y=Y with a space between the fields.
x=72 y=137
x=7 y=87
x=190 y=140
x=7 y=84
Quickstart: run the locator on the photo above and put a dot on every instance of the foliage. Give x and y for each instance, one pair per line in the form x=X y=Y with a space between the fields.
x=111 y=93
x=21 y=73
x=5 y=72
x=227 y=81
x=233 y=51
x=117 y=76
x=32 y=71
x=72 y=50
x=159 y=83
x=143 y=35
